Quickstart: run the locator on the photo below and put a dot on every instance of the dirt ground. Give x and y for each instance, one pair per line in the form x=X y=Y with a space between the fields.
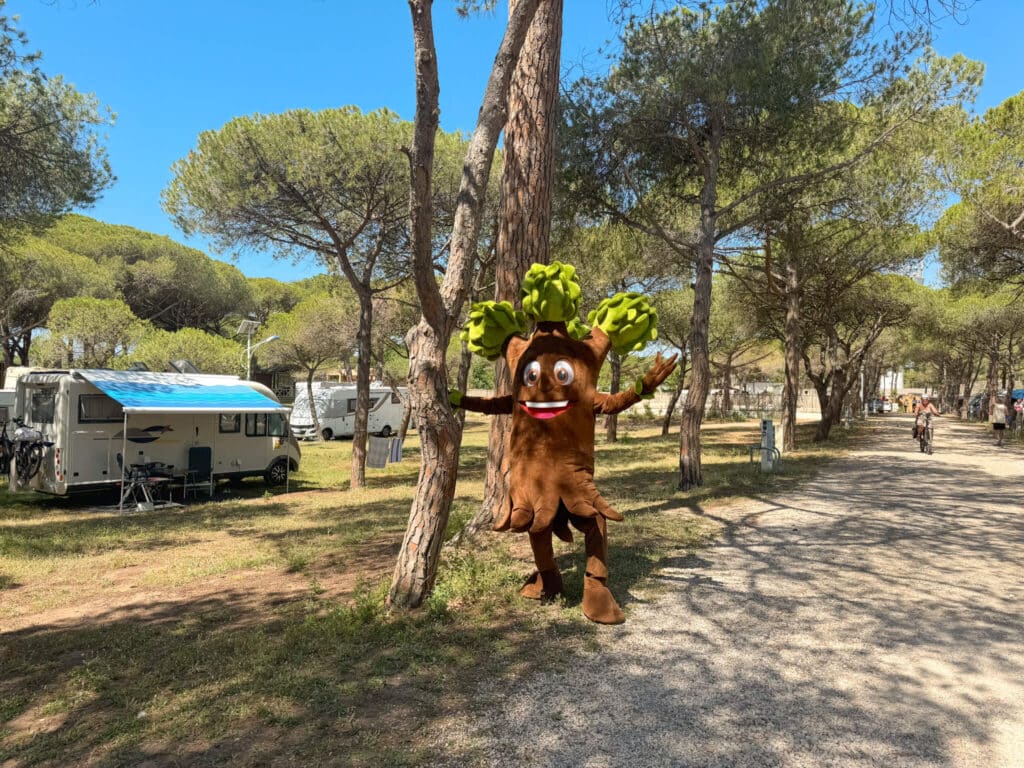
x=871 y=618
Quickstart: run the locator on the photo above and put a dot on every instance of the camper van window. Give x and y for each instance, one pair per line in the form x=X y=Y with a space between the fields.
x=43 y=402
x=231 y=422
x=98 y=409
x=4 y=418
x=395 y=399
x=256 y=424
x=275 y=425
x=352 y=405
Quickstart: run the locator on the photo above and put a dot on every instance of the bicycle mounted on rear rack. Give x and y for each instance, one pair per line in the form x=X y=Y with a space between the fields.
x=24 y=451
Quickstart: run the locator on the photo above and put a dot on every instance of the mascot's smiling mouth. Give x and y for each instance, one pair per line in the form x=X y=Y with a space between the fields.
x=546 y=410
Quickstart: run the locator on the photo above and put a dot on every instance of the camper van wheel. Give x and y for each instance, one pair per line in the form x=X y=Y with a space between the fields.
x=277 y=473
x=327 y=434
x=386 y=432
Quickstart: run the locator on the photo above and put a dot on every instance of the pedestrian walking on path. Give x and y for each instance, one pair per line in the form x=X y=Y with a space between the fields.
x=998 y=419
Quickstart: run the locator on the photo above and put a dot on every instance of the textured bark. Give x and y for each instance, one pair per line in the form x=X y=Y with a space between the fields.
x=966 y=385
x=666 y=422
x=363 y=365
x=727 y=386
x=791 y=389
x=439 y=430
x=690 y=472
x=403 y=430
x=462 y=381
x=611 y=422
x=312 y=405
x=992 y=380
x=524 y=221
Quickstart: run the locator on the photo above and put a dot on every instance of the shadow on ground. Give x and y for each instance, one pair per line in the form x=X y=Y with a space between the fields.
x=871 y=618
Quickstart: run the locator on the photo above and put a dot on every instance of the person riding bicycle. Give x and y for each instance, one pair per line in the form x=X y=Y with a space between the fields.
x=923 y=407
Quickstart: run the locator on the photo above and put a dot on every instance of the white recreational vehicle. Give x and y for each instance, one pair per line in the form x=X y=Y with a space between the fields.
x=93 y=418
x=6 y=406
x=336 y=410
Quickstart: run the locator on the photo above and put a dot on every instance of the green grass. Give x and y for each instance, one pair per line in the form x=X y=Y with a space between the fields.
x=252 y=631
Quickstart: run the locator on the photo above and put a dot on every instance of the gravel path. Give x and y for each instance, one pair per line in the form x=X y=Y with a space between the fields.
x=871 y=618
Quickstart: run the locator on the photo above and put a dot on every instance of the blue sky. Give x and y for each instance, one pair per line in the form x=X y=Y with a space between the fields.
x=173 y=68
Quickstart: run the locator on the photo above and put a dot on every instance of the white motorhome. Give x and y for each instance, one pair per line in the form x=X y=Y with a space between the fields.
x=6 y=406
x=336 y=410
x=94 y=417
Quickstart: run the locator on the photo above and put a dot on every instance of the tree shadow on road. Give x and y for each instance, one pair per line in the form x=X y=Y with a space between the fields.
x=871 y=619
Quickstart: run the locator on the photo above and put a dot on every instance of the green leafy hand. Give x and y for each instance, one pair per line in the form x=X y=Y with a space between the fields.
x=629 y=320
x=490 y=325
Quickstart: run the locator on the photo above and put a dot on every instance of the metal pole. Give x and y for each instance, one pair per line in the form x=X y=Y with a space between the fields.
x=248 y=357
x=124 y=460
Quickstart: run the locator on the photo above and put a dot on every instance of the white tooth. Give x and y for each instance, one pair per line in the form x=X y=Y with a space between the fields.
x=550 y=404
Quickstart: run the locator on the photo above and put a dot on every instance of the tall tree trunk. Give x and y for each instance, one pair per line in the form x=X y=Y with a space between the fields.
x=992 y=381
x=690 y=470
x=5 y=363
x=440 y=432
x=363 y=364
x=666 y=422
x=831 y=406
x=793 y=348
x=24 y=346
x=462 y=382
x=524 y=221
x=967 y=384
x=403 y=430
x=312 y=403
x=727 y=387
x=1010 y=360
x=611 y=422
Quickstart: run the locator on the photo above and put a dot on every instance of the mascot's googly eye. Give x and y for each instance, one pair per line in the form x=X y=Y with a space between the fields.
x=564 y=373
x=532 y=374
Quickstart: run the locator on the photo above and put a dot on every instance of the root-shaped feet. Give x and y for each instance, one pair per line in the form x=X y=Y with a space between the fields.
x=598 y=603
x=543 y=585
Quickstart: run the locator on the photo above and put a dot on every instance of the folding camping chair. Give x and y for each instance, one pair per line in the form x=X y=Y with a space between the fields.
x=200 y=471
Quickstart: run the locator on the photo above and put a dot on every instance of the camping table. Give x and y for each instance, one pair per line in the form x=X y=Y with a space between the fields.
x=147 y=478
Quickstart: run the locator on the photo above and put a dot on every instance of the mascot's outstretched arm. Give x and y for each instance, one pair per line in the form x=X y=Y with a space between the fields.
x=643 y=389
x=489 y=405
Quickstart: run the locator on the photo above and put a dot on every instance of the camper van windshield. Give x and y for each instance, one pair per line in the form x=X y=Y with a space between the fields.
x=300 y=409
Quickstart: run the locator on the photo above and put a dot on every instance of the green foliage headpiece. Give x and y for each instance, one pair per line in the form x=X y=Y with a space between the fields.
x=490 y=325
x=629 y=320
x=550 y=293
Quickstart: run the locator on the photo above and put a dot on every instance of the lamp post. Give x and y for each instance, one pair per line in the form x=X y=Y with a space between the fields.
x=250 y=348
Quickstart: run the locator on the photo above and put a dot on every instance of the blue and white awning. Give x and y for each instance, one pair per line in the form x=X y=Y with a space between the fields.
x=144 y=392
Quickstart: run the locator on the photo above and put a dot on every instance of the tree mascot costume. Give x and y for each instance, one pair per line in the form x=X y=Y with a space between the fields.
x=554 y=406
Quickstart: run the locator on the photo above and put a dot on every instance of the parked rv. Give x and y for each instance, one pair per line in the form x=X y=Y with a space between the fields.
x=6 y=405
x=100 y=420
x=336 y=410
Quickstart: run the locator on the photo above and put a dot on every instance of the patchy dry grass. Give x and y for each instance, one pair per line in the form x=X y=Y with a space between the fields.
x=251 y=630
